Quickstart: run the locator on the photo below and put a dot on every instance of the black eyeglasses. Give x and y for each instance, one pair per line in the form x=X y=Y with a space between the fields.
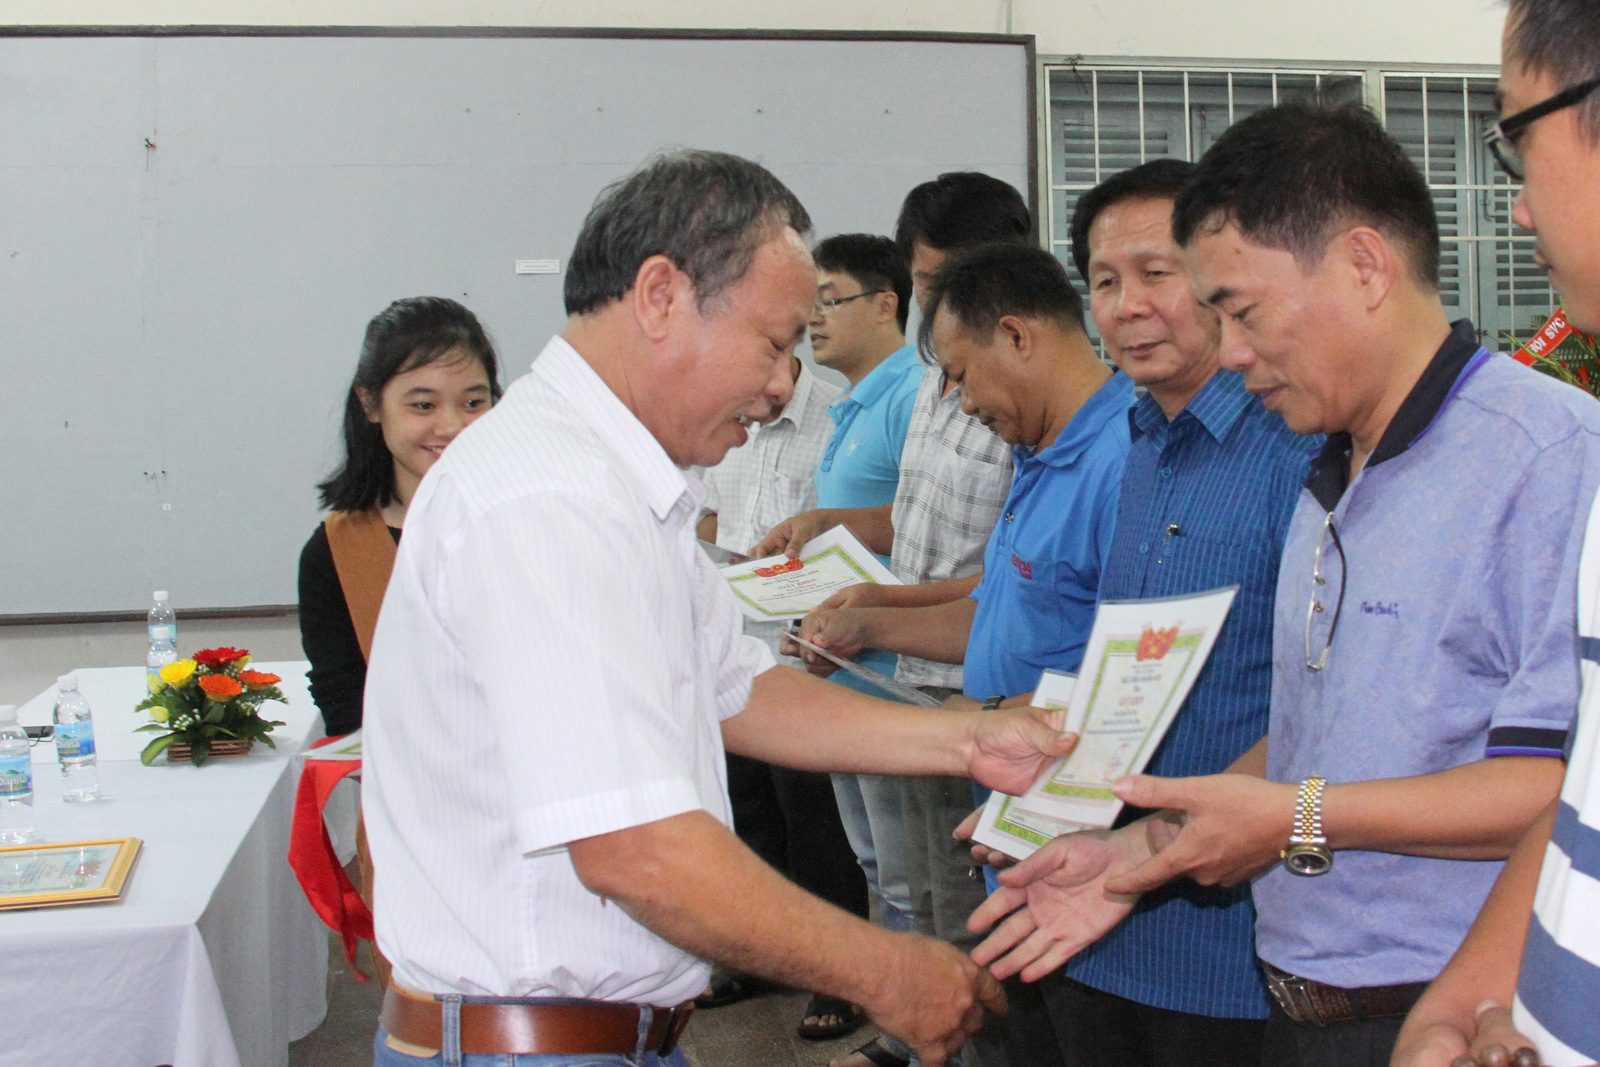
x=1502 y=136
x=1317 y=661
x=828 y=303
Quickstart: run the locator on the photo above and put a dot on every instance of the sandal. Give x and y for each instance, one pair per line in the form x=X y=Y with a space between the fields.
x=834 y=1019
x=728 y=987
x=876 y=1053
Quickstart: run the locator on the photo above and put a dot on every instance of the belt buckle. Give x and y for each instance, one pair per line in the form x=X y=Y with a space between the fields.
x=677 y=1021
x=1290 y=991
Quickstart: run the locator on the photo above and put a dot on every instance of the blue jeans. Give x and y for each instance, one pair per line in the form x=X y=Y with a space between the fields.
x=384 y=1056
x=869 y=807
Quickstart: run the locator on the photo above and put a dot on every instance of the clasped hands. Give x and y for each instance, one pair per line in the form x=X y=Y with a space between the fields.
x=1219 y=830
x=837 y=626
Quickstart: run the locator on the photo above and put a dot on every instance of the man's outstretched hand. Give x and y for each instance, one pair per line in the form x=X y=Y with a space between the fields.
x=792 y=534
x=1053 y=904
x=1233 y=826
x=1008 y=750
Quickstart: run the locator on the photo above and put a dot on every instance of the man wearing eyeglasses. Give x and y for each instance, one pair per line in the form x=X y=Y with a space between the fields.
x=858 y=329
x=1547 y=970
x=1424 y=670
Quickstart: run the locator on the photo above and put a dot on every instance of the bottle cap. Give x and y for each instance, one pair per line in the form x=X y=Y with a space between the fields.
x=160 y=595
x=8 y=713
x=67 y=681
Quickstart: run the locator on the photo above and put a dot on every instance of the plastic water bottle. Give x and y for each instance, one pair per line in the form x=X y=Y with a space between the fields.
x=80 y=780
x=16 y=780
x=162 y=624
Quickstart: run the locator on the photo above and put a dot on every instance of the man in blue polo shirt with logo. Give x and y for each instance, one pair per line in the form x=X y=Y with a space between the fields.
x=1424 y=660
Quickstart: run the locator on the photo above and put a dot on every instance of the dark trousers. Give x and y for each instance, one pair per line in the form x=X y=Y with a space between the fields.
x=1023 y=1036
x=1099 y=1029
x=1365 y=1043
x=790 y=819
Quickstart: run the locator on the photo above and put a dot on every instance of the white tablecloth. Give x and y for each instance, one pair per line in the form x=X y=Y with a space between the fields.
x=212 y=958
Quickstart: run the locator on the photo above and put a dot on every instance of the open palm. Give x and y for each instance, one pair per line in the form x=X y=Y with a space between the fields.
x=1054 y=903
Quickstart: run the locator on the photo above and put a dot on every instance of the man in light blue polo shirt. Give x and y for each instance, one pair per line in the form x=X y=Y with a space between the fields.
x=858 y=329
x=1425 y=664
x=1007 y=326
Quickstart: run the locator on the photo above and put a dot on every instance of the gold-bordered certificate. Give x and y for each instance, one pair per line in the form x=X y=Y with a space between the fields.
x=77 y=872
x=778 y=587
x=1138 y=667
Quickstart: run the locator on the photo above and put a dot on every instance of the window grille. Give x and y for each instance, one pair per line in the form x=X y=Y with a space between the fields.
x=1487 y=271
x=1103 y=118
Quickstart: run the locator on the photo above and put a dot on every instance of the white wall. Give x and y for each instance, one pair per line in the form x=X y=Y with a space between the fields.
x=1410 y=31
x=1414 y=31
x=33 y=657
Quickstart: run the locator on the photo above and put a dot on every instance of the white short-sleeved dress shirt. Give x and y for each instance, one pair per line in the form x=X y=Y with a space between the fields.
x=771 y=478
x=552 y=662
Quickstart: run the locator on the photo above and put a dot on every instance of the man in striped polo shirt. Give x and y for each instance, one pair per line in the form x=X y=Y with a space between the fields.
x=1549 y=140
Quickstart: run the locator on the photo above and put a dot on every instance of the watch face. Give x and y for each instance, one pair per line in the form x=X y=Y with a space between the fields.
x=1308 y=860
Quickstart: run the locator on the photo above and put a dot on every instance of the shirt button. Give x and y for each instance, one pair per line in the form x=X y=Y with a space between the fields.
x=1166 y=472
x=1011 y=516
x=1144 y=548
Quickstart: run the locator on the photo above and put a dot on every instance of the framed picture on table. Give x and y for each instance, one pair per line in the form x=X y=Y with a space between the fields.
x=75 y=872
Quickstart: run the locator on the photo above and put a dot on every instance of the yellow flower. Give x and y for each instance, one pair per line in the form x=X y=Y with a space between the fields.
x=159 y=713
x=177 y=673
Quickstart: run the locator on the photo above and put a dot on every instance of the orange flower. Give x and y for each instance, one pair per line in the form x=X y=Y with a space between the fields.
x=220 y=687
x=258 y=679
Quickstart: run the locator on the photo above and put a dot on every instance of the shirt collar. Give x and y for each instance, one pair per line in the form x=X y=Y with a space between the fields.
x=1455 y=361
x=878 y=380
x=797 y=402
x=1084 y=428
x=664 y=483
x=1216 y=406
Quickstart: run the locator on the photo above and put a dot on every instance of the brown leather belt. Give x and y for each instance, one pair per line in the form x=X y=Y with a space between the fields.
x=551 y=1026
x=1311 y=1003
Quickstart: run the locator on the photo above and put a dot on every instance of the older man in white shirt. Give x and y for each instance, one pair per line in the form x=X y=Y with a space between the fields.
x=557 y=667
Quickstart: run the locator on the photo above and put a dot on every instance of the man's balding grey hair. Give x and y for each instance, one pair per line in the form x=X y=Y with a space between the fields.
x=707 y=212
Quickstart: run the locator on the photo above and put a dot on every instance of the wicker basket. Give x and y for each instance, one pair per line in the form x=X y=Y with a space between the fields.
x=222 y=748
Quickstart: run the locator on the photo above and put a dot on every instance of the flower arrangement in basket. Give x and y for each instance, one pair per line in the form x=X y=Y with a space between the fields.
x=208 y=706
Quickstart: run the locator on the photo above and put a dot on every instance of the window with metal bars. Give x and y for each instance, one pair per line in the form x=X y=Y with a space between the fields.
x=1103 y=118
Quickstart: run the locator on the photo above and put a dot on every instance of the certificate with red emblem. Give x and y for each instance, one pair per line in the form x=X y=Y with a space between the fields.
x=1138 y=667
x=778 y=587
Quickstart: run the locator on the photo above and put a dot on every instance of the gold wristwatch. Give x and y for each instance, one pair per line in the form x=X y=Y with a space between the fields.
x=1308 y=852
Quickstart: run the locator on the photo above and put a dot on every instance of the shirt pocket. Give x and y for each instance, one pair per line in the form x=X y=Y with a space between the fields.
x=783 y=496
x=1234 y=558
x=1054 y=610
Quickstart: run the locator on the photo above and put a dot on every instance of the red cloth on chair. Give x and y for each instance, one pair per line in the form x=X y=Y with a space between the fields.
x=333 y=896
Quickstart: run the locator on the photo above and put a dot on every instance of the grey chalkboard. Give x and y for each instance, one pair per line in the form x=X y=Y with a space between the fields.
x=194 y=231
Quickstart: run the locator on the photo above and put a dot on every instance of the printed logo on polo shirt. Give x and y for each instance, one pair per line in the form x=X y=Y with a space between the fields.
x=1024 y=568
x=1390 y=608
